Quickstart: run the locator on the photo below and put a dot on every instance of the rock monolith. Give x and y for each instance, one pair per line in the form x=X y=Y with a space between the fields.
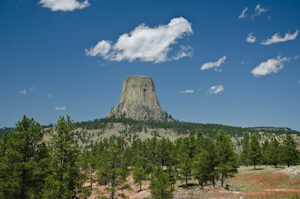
x=138 y=100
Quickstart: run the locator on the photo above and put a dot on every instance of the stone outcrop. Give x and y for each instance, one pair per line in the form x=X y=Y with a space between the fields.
x=138 y=100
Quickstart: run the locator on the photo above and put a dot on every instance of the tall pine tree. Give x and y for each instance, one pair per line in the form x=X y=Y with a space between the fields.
x=227 y=158
x=290 y=154
x=255 y=152
x=20 y=169
x=65 y=162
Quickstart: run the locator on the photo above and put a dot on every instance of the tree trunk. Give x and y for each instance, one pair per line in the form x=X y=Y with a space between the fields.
x=222 y=181
x=141 y=186
x=186 y=182
x=91 y=181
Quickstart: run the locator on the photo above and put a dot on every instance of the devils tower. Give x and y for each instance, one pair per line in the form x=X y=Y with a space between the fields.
x=138 y=100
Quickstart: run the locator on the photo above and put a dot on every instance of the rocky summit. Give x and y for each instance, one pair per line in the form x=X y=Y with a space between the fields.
x=138 y=100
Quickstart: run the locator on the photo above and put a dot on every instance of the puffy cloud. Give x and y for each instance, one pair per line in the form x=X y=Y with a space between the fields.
x=215 y=89
x=276 y=38
x=22 y=92
x=258 y=10
x=64 y=5
x=187 y=91
x=60 y=108
x=145 y=43
x=209 y=65
x=296 y=57
x=243 y=14
x=299 y=82
x=272 y=65
x=50 y=95
x=251 y=38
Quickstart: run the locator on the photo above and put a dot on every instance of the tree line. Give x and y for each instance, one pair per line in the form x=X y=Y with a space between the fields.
x=270 y=152
x=182 y=128
x=32 y=168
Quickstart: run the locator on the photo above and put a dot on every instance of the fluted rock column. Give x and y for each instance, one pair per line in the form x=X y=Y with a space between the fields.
x=138 y=100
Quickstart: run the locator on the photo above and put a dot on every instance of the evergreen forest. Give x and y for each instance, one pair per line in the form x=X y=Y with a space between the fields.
x=49 y=161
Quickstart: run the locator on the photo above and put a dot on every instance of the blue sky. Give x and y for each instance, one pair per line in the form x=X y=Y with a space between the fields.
x=234 y=63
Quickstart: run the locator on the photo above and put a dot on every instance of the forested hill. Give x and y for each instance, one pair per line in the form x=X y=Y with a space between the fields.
x=183 y=127
x=179 y=127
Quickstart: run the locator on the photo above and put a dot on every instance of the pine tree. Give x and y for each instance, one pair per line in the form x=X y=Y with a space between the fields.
x=113 y=169
x=227 y=158
x=139 y=174
x=265 y=152
x=20 y=169
x=205 y=166
x=255 y=153
x=273 y=150
x=163 y=152
x=65 y=162
x=245 y=147
x=184 y=162
x=89 y=164
x=290 y=154
x=161 y=184
x=3 y=144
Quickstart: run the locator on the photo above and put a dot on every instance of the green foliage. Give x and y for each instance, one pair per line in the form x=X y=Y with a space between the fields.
x=65 y=161
x=23 y=161
x=245 y=149
x=227 y=164
x=89 y=164
x=265 y=152
x=290 y=153
x=255 y=152
x=139 y=174
x=113 y=169
x=85 y=193
x=161 y=184
x=185 y=162
x=273 y=152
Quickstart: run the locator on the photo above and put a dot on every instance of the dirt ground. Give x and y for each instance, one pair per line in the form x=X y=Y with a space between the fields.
x=265 y=182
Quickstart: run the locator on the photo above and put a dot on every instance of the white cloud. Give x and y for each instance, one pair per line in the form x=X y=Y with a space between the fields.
x=215 y=89
x=299 y=82
x=276 y=38
x=186 y=51
x=243 y=14
x=258 y=10
x=60 y=108
x=32 y=89
x=272 y=65
x=50 y=95
x=209 y=65
x=187 y=91
x=251 y=38
x=296 y=57
x=64 y=5
x=145 y=43
x=22 y=92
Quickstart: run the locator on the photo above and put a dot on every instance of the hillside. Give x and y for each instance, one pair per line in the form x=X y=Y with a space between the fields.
x=89 y=132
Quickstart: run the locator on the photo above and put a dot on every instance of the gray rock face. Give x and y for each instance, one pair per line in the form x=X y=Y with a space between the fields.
x=138 y=100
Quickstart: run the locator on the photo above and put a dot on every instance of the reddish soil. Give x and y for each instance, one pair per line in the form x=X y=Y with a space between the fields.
x=264 y=185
